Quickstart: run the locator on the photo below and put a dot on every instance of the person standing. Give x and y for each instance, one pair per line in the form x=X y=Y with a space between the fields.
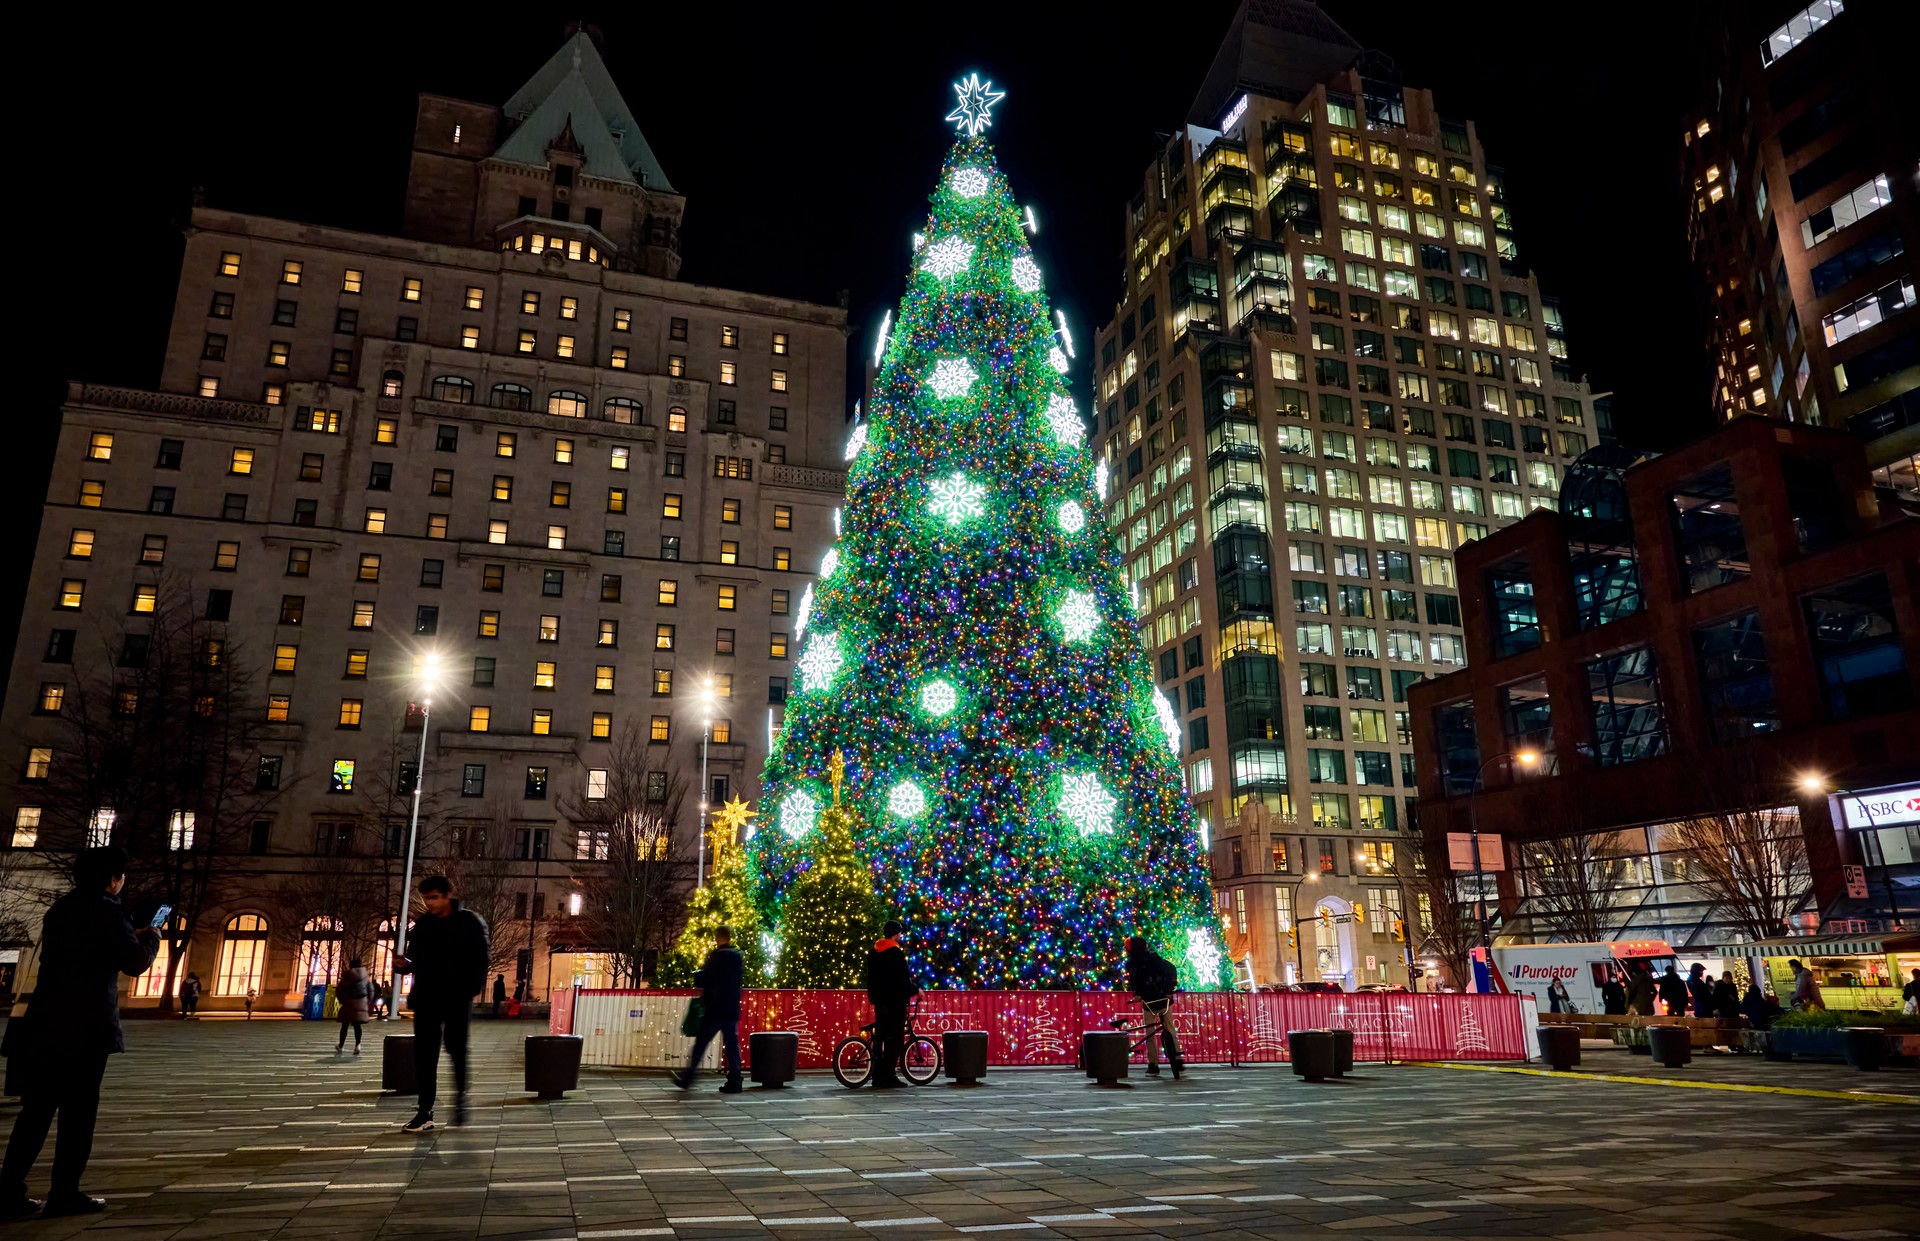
x=1806 y=988
x=1759 y=1008
x=189 y=996
x=1640 y=989
x=69 y=1030
x=1700 y=991
x=1152 y=977
x=1673 y=992
x=1726 y=997
x=1613 y=994
x=890 y=987
x=1558 y=1001
x=720 y=978
x=447 y=952
x=354 y=994
x=499 y=992
x=1911 y=994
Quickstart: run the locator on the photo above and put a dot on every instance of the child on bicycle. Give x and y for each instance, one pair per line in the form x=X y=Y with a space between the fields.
x=1152 y=977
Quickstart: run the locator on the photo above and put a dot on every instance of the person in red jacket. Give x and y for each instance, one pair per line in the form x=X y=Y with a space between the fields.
x=890 y=987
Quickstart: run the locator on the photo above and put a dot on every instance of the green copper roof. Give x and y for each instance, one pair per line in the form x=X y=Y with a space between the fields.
x=575 y=88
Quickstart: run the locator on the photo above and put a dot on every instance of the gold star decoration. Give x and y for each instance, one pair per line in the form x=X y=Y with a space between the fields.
x=728 y=824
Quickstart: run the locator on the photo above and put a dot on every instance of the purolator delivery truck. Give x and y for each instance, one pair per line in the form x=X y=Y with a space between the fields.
x=1528 y=969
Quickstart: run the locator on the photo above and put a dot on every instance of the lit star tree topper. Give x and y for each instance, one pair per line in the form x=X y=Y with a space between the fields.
x=974 y=112
x=972 y=651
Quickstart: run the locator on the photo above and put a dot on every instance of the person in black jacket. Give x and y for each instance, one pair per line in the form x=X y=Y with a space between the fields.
x=890 y=987
x=1153 y=978
x=1700 y=991
x=720 y=977
x=69 y=1030
x=447 y=954
x=1613 y=994
x=1673 y=990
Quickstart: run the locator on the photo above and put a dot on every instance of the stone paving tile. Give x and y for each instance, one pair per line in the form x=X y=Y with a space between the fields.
x=237 y=1130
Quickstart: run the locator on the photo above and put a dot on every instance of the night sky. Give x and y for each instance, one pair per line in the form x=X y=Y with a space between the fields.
x=806 y=151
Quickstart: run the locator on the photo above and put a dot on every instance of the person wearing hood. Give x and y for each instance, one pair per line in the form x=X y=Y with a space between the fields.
x=1153 y=978
x=69 y=1029
x=447 y=954
x=890 y=987
x=1613 y=995
x=1640 y=990
x=1726 y=997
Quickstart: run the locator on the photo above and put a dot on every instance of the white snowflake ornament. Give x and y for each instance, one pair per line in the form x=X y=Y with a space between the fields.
x=1078 y=615
x=856 y=441
x=939 y=698
x=798 y=810
x=907 y=800
x=1058 y=357
x=1072 y=517
x=820 y=663
x=1026 y=274
x=1086 y=804
x=951 y=377
x=969 y=182
x=1203 y=954
x=946 y=259
x=956 y=498
x=1064 y=417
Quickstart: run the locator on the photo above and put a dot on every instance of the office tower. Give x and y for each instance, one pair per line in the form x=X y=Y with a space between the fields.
x=1799 y=170
x=1328 y=369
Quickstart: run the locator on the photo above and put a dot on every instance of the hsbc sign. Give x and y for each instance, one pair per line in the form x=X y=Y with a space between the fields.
x=1889 y=808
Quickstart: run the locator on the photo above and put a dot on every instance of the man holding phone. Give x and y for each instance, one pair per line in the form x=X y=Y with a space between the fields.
x=70 y=1028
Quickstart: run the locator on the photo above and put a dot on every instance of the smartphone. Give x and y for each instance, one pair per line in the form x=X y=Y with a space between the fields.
x=160 y=916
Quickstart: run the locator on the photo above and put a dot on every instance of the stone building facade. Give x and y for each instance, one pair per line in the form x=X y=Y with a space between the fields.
x=508 y=440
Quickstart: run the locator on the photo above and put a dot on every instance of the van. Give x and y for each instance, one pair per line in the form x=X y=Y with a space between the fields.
x=1529 y=969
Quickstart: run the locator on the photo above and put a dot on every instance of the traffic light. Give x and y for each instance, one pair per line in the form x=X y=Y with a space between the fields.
x=1359 y=912
x=1399 y=931
x=1293 y=938
x=1326 y=918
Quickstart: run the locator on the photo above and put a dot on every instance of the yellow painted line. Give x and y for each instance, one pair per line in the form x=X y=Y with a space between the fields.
x=1864 y=1096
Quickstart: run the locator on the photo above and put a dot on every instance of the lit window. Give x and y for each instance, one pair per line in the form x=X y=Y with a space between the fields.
x=503 y=486
x=145 y=599
x=53 y=696
x=670 y=506
x=782 y=517
x=290 y=271
x=496 y=532
x=730 y=512
x=479 y=719
x=100 y=446
x=26 y=827
x=563 y=347
x=209 y=386
x=71 y=591
x=470 y=337
x=549 y=628
x=603 y=678
x=729 y=552
x=602 y=725
x=543 y=674
x=617 y=358
x=729 y=598
x=542 y=721
x=356 y=666
x=350 y=712
x=241 y=462
x=661 y=729
x=80 y=544
x=729 y=373
x=376 y=521
x=677 y=419
x=563 y=451
x=362 y=615
x=285 y=656
x=229 y=263
x=39 y=762
x=503 y=444
x=780 y=342
x=489 y=625
x=410 y=289
x=556 y=538
x=226 y=556
x=663 y=637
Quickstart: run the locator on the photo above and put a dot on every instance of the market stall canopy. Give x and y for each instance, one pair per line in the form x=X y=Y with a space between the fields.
x=1825 y=946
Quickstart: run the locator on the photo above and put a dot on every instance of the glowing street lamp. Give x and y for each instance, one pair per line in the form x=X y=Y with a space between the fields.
x=427 y=673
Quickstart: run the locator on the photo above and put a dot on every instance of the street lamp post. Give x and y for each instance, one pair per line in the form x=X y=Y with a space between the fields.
x=1526 y=758
x=706 y=738
x=1816 y=785
x=429 y=672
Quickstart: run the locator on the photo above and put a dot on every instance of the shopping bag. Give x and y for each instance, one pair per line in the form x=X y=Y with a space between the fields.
x=696 y=1016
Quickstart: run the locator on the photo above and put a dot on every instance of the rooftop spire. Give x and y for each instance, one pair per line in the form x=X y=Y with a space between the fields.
x=573 y=89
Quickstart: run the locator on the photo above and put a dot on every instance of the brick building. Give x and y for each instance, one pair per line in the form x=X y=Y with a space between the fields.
x=1688 y=637
x=508 y=438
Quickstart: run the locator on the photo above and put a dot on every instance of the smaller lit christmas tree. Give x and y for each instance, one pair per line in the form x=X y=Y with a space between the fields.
x=830 y=914
x=724 y=901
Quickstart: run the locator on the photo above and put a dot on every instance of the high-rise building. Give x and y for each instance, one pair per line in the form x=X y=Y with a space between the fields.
x=508 y=439
x=1800 y=175
x=1328 y=369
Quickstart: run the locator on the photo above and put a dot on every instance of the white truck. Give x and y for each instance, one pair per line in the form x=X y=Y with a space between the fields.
x=1529 y=969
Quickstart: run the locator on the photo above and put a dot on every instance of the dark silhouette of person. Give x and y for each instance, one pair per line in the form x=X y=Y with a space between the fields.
x=890 y=987
x=721 y=978
x=447 y=952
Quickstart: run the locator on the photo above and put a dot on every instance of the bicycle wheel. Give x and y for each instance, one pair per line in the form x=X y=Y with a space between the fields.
x=920 y=1062
x=852 y=1062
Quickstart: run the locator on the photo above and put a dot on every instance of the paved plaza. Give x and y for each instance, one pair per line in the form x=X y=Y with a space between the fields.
x=239 y=1130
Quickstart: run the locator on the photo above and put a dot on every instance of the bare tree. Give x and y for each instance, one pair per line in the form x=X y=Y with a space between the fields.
x=1443 y=922
x=631 y=874
x=1752 y=864
x=1577 y=884
x=477 y=861
x=165 y=757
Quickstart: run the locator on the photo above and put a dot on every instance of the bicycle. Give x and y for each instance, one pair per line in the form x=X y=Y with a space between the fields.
x=1121 y=1023
x=919 y=1055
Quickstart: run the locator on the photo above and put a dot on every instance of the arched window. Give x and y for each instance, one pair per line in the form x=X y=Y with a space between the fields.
x=623 y=409
x=453 y=388
x=677 y=419
x=566 y=404
x=511 y=396
x=243 y=955
x=154 y=981
x=319 y=951
x=391 y=383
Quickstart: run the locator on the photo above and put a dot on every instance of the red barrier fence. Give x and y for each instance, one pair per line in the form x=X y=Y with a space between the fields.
x=639 y=1028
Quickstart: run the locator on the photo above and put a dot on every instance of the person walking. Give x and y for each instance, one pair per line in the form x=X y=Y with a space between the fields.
x=354 y=994
x=720 y=979
x=1726 y=997
x=1558 y=1001
x=499 y=992
x=1640 y=990
x=189 y=996
x=1152 y=977
x=447 y=952
x=890 y=987
x=1613 y=994
x=1673 y=992
x=71 y=1027
x=1700 y=991
x=1806 y=988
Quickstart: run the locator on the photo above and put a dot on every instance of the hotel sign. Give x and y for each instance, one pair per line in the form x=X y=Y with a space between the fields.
x=1238 y=110
x=1887 y=808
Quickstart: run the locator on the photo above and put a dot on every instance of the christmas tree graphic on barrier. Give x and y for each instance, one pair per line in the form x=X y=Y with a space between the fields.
x=971 y=644
x=1469 y=1037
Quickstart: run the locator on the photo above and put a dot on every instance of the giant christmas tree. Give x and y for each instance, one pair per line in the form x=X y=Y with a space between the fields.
x=971 y=644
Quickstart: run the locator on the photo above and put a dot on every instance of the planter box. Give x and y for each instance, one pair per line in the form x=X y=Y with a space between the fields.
x=1828 y=1044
